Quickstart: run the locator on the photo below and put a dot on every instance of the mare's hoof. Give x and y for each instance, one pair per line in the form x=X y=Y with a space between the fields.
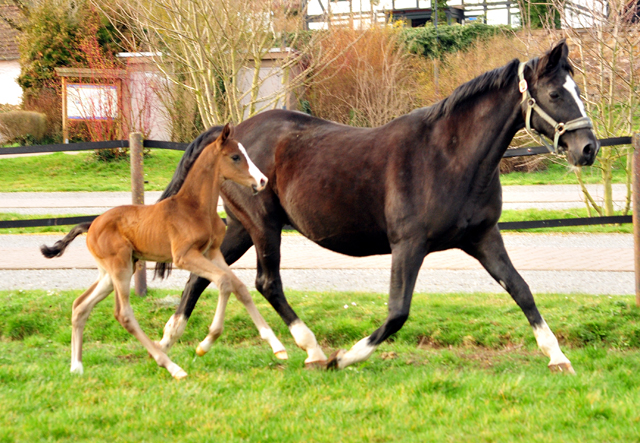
x=334 y=359
x=319 y=364
x=562 y=367
x=200 y=351
x=180 y=375
x=281 y=355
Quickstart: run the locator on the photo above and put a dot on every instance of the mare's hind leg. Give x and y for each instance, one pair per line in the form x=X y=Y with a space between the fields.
x=491 y=253
x=218 y=272
x=236 y=242
x=82 y=307
x=121 y=275
x=406 y=259
x=268 y=282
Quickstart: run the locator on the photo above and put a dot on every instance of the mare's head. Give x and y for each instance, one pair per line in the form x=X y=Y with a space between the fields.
x=552 y=105
x=235 y=164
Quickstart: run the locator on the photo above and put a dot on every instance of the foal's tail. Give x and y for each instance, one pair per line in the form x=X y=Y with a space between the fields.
x=58 y=248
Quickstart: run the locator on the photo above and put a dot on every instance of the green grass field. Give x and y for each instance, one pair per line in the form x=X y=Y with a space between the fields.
x=464 y=368
x=82 y=172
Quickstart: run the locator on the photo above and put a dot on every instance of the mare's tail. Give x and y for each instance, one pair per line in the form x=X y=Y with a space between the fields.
x=58 y=248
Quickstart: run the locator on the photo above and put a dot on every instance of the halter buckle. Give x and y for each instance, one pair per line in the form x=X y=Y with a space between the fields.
x=523 y=86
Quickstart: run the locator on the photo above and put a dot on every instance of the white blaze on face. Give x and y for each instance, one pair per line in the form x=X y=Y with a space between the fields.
x=571 y=86
x=253 y=169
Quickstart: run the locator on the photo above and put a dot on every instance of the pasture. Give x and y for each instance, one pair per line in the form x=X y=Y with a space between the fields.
x=464 y=368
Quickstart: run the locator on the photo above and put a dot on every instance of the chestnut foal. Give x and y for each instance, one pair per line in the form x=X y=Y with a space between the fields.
x=184 y=229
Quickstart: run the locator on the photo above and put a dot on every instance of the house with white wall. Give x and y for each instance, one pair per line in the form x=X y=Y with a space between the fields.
x=10 y=91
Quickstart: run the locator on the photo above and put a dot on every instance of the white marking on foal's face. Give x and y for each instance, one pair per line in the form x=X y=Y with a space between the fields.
x=571 y=86
x=253 y=169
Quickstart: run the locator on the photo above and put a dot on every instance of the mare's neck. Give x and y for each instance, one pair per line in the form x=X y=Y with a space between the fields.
x=498 y=117
x=202 y=184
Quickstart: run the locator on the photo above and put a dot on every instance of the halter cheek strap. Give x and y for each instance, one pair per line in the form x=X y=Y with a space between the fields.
x=532 y=106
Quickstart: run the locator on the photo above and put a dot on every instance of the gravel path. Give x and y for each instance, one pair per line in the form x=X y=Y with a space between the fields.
x=324 y=278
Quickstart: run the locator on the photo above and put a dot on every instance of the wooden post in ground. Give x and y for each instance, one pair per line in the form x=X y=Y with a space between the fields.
x=636 y=211
x=137 y=198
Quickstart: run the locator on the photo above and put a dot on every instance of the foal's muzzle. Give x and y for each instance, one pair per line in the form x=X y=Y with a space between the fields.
x=259 y=186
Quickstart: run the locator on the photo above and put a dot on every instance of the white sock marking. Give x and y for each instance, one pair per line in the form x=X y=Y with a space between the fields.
x=306 y=340
x=253 y=169
x=548 y=344
x=571 y=86
x=359 y=352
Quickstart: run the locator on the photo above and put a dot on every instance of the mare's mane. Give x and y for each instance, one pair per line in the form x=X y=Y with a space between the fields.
x=490 y=80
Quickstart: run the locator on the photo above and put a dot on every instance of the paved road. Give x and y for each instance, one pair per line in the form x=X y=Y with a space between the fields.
x=514 y=197
x=565 y=263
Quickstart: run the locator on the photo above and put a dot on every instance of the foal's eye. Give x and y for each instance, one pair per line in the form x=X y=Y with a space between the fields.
x=554 y=95
x=235 y=158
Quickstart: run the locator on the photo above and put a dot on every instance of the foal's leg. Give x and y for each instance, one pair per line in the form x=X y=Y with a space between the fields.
x=236 y=242
x=491 y=253
x=121 y=276
x=227 y=282
x=82 y=307
x=406 y=259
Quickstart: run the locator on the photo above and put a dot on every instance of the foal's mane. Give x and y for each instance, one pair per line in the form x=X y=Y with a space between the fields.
x=490 y=80
x=190 y=156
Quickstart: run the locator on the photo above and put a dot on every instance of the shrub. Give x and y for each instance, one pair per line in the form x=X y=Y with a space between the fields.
x=20 y=126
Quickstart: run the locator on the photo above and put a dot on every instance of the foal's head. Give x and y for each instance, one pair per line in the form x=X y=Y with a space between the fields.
x=235 y=164
x=549 y=89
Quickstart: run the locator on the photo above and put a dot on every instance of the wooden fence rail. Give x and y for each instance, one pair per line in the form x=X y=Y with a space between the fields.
x=136 y=144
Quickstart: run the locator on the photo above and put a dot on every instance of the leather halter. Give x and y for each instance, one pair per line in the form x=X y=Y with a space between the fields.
x=560 y=128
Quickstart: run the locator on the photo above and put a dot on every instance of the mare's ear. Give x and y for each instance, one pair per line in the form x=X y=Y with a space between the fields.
x=226 y=133
x=553 y=59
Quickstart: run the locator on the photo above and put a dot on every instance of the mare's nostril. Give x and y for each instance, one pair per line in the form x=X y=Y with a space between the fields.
x=263 y=182
x=588 y=150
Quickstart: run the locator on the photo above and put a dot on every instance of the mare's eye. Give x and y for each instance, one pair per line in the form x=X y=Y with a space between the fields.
x=554 y=95
x=235 y=158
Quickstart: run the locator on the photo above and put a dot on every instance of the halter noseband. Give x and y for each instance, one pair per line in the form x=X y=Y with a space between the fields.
x=560 y=128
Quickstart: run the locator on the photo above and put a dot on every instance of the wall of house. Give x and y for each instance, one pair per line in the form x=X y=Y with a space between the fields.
x=10 y=91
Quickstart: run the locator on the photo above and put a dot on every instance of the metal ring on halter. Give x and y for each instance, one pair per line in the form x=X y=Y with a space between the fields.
x=531 y=102
x=560 y=128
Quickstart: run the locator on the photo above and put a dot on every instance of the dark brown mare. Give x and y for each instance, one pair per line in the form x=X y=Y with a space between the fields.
x=185 y=229
x=426 y=181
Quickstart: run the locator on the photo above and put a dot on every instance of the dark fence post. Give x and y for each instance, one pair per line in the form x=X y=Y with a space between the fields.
x=137 y=198
x=636 y=211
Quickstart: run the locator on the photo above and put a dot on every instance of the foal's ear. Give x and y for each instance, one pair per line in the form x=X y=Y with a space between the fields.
x=557 y=55
x=226 y=133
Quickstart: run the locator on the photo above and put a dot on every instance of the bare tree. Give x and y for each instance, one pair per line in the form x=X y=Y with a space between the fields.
x=217 y=49
x=605 y=40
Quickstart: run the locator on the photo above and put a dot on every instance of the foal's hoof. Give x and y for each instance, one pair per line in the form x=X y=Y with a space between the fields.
x=562 y=367
x=200 y=351
x=180 y=375
x=281 y=355
x=334 y=359
x=319 y=364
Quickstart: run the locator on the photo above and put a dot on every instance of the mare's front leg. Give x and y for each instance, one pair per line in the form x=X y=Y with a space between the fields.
x=218 y=272
x=236 y=242
x=491 y=253
x=269 y=284
x=406 y=259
